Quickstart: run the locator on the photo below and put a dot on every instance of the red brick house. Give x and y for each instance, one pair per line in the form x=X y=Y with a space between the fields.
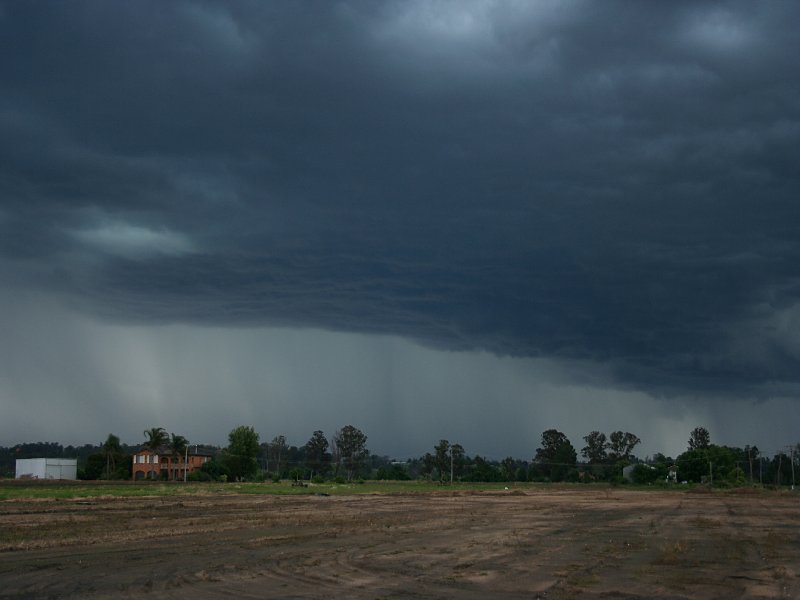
x=147 y=465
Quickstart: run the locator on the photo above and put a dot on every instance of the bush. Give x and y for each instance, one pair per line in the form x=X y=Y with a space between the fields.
x=644 y=474
x=317 y=479
x=339 y=479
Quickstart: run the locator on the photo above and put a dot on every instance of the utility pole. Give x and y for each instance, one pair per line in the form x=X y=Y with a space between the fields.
x=710 y=475
x=791 y=453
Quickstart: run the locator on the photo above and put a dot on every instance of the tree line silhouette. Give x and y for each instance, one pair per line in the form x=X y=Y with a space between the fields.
x=345 y=456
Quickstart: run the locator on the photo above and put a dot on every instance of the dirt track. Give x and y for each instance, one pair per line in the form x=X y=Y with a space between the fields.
x=545 y=543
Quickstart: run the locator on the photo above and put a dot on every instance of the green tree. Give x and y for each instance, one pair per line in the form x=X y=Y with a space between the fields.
x=699 y=439
x=177 y=448
x=213 y=470
x=239 y=458
x=620 y=445
x=94 y=468
x=393 y=472
x=595 y=449
x=714 y=464
x=428 y=465
x=157 y=438
x=752 y=453
x=644 y=474
x=482 y=470
x=111 y=450
x=556 y=457
x=779 y=470
x=351 y=445
x=277 y=451
x=442 y=459
x=508 y=468
x=317 y=457
x=459 y=458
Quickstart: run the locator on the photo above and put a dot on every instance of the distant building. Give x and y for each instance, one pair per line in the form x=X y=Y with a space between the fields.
x=161 y=465
x=47 y=468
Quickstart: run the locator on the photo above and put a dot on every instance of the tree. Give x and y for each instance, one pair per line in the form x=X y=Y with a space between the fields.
x=556 y=457
x=156 y=438
x=458 y=457
x=482 y=470
x=177 y=447
x=752 y=453
x=428 y=464
x=713 y=464
x=621 y=445
x=351 y=445
x=699 y=439
x=317 y=456
x=111 y=450
x=393 y=472
x=277 y=449
x=508 y=468
x=442 y=459
x=595 y=449
x=240 y=456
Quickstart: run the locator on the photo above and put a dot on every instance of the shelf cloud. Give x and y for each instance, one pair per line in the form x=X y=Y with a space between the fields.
x=606 y=187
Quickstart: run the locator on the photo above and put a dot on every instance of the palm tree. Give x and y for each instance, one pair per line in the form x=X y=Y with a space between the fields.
x=111 y=449
x=156 y=438
x=177 y=446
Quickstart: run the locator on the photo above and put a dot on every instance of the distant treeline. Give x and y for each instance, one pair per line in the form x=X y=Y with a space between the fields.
x=345 y=456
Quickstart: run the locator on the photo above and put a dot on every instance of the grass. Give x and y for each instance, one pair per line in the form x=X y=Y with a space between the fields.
x=63 y=490
x=11 y=489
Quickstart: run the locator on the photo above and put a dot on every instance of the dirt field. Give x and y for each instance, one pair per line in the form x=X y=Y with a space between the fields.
x=582 y=542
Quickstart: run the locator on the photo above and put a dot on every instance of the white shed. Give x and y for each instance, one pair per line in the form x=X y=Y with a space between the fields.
x=47 y=468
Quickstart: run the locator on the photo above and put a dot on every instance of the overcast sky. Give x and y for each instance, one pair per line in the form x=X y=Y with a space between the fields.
x=473 y=219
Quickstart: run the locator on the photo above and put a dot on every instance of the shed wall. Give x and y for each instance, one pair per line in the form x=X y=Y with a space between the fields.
x=47 y=468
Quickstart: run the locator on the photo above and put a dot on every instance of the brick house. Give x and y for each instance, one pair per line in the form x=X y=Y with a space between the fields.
x=161 y=465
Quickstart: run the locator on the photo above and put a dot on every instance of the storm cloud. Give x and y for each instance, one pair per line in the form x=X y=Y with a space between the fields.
x=610 y=185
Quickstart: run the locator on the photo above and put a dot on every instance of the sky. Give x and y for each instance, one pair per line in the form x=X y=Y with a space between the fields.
x=472 y=220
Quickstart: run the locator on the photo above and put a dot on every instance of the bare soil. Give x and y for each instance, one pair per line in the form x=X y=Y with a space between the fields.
x=581 y=542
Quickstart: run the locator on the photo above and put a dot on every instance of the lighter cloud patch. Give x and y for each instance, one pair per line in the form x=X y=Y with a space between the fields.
x=134 y=241
x=782 y=328
x=219 y=28
x=719 y=30
x=454 y=21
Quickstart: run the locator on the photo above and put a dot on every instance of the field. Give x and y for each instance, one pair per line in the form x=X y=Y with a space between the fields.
x=396 y=541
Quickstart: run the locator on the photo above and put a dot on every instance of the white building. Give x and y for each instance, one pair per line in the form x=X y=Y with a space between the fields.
x=47 y=468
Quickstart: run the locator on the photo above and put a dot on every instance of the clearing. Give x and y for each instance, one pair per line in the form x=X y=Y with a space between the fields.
x=527 y=542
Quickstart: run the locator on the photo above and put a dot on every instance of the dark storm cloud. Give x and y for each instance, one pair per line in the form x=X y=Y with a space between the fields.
x=611 y=182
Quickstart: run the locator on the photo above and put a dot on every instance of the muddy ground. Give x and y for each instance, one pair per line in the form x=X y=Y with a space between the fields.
x=581 y=542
